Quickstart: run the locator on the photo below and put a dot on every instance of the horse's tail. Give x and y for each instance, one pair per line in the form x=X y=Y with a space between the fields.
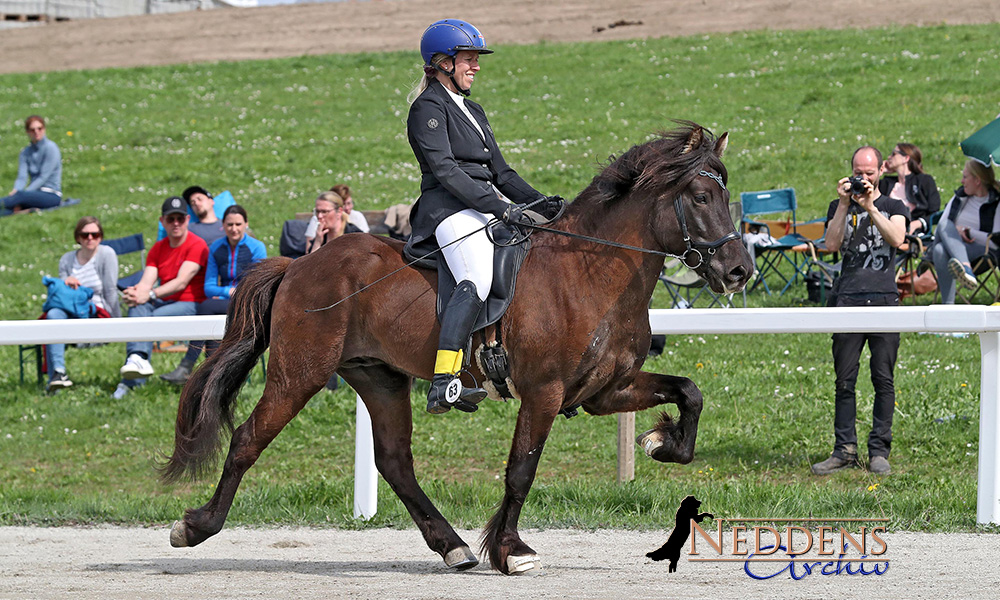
x=208 y=399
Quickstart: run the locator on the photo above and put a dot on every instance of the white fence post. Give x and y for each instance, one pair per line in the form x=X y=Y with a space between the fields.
x=365 y=473
x=988 y=500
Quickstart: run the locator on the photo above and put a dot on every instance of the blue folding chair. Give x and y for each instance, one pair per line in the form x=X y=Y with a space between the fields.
x=128 y=245
x=775 y=258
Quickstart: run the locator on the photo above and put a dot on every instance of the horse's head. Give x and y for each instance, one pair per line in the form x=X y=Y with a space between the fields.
x=685 y=176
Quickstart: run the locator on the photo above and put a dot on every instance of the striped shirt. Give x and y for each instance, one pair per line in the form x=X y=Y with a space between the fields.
x=87 y=275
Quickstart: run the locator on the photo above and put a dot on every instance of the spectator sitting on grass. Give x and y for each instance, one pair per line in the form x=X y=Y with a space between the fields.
x=228 y=258
x=39 y=172
x=178 y=262
x=94 y=266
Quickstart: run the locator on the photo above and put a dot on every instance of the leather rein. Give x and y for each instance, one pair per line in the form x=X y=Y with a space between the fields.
x=690 y=246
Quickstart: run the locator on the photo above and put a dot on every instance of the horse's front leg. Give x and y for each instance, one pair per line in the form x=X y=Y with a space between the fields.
x=501 y=541
x=669 y=440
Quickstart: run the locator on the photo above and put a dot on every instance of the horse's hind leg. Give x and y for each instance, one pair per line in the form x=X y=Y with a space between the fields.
x=669 y=440
x=386 y=393
x=277 y=406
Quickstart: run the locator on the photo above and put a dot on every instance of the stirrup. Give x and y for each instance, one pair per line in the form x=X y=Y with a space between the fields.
x=447 y=391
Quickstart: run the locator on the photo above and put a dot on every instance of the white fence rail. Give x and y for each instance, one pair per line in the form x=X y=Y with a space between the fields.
x=983 y=320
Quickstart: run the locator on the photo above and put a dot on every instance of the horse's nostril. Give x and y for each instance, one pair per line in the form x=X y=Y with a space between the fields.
x=738 y=274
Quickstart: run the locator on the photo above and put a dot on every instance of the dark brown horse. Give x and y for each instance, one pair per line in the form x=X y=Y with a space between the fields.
x=577 y=333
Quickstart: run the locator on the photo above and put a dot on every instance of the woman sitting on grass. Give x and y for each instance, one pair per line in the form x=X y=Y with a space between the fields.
x=39 y=172
x=963 y=234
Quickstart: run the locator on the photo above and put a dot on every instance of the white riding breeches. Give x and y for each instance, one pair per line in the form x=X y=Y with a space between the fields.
x=472 y=258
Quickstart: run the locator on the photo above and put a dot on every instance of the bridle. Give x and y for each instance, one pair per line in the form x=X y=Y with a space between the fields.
x=697 y=247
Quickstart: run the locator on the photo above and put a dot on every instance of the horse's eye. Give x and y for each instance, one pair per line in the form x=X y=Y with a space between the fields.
x=701 y=199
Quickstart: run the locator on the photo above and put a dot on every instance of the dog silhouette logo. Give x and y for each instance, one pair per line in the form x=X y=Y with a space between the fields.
x=682 y=529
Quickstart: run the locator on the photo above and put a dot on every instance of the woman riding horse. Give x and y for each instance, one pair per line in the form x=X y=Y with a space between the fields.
x=465 y=184
x=576 y=340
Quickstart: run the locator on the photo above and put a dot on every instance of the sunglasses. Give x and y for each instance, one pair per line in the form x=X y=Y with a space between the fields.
x=323 y=212
x=95 y=235
x=175 y=218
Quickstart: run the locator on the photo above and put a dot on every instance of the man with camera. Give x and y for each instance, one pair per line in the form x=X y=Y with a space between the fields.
x=866 y=228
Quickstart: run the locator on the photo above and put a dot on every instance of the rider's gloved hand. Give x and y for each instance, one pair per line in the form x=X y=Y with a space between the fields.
x=513 y=215
x=550 y=207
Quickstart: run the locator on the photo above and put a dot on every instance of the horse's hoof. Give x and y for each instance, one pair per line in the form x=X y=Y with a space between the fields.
x=461 y=558
x=178 y=535
x=651 y=441
x=523 y=565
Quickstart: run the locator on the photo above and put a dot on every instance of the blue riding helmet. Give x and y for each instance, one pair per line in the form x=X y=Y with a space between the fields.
x=449 y=37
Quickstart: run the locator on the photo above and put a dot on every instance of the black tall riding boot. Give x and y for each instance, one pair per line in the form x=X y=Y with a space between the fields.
x=456 y=328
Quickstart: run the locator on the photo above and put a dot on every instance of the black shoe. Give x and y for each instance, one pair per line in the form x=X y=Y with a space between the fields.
x=59 y=380
x=178 y=376
x=447 y=391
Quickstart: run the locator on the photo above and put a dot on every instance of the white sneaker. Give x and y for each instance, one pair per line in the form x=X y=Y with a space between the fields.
x=962 y=274
x=121 y=391
x=135 y=367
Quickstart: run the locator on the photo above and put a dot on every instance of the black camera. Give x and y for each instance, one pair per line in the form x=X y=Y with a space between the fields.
x=857 y=185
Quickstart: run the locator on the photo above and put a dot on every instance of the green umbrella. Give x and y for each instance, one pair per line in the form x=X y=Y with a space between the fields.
x=984 y=145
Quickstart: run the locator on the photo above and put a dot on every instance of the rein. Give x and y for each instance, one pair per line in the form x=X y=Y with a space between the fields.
x=689 y=246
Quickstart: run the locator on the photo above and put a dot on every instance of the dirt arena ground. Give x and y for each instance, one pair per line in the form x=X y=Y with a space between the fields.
x=385 y=564
x=376 y=25
x=110 y=563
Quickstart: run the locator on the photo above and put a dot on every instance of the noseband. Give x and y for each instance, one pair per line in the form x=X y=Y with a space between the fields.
x=697 y=247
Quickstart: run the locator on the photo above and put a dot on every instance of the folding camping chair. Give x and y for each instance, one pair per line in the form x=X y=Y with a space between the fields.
x=128 y=245
x=773 y=242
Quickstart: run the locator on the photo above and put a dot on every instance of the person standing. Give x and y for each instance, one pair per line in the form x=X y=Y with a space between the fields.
x=465 y=184
x=867 y=228
x=39 y=172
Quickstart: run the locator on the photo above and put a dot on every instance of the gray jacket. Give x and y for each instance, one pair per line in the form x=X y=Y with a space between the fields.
x=106 y=264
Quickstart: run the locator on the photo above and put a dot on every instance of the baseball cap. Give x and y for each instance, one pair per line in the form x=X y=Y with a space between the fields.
x=174 y=204
x=191 y=191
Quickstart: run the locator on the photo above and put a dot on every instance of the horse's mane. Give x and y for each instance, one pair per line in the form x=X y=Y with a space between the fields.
x=661 y=163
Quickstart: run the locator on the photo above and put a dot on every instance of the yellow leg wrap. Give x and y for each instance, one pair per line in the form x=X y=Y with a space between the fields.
x=448 y=361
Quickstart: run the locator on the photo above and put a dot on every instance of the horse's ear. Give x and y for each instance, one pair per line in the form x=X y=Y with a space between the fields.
x=721 y=143
x=694 y=140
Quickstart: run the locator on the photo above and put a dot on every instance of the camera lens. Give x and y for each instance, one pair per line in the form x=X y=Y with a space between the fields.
x=857 y=185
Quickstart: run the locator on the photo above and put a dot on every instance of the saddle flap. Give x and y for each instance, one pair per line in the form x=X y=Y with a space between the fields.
x=507 y=261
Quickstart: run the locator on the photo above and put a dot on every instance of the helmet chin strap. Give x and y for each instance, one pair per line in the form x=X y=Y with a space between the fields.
x=451 y=76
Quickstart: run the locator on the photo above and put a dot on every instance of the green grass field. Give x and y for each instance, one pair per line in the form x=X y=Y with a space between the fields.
x=277 y=132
